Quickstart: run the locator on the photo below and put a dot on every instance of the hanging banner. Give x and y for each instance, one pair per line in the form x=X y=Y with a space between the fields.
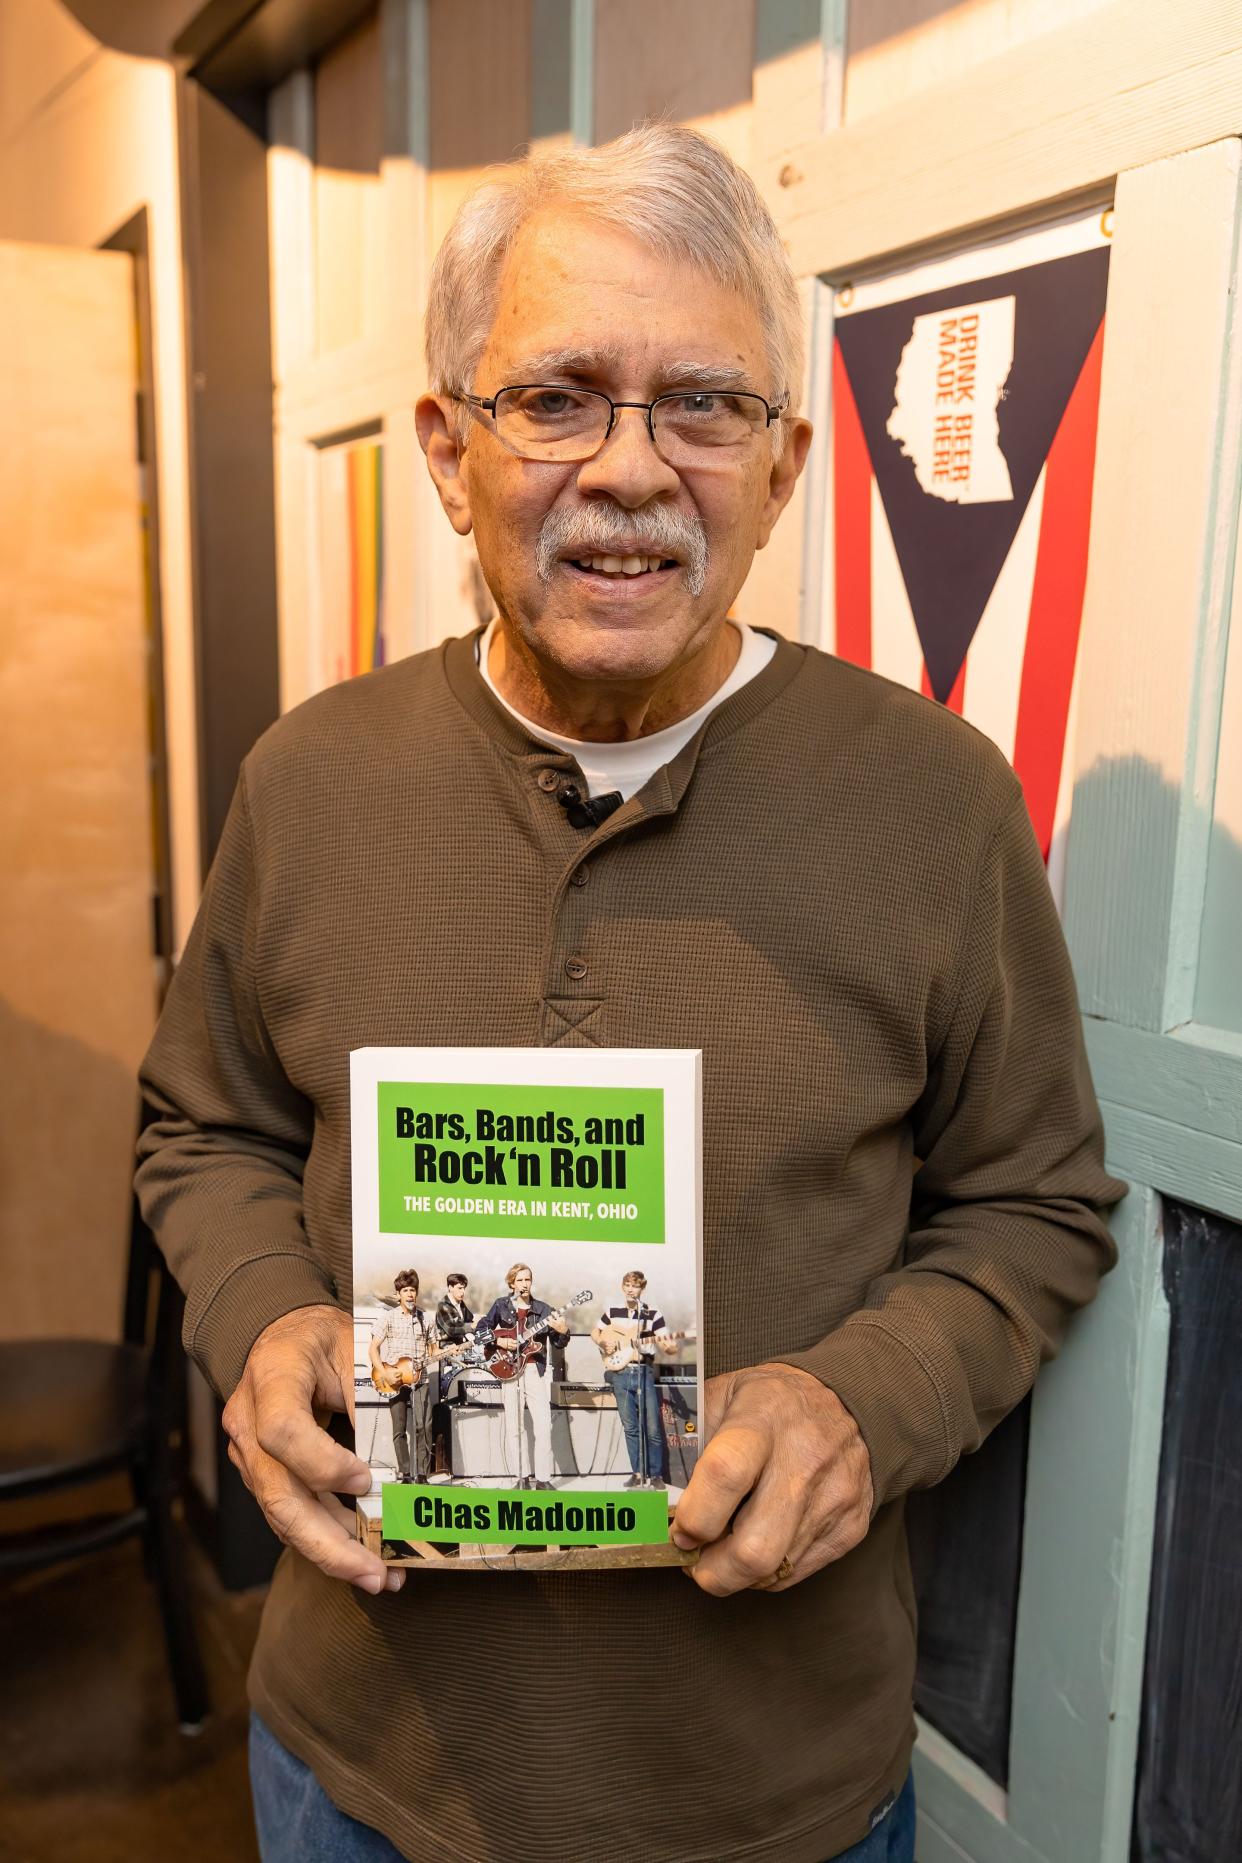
x=965 y=396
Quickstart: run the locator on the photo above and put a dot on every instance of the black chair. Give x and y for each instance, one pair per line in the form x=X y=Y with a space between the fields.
x=105 y=1408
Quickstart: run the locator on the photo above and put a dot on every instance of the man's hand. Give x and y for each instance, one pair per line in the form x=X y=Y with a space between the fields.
x=300 y=1369
x=782 y=1486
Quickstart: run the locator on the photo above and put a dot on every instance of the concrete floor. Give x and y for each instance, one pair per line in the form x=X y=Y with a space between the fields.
x=94 y=1769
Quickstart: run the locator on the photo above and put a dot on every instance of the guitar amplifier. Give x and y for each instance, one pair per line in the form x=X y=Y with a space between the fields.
x=583 y=1396
x=372 y=1423
x=480 y=1389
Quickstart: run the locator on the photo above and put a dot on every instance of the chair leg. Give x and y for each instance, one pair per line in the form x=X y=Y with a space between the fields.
x=185 y=1660
x=140 y=1484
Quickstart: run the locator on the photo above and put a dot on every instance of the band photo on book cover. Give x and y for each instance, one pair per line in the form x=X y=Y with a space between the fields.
x=526 y=1297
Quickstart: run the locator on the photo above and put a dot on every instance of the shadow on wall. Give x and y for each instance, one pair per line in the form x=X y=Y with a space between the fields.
x=870 y=26
x=1127 y=818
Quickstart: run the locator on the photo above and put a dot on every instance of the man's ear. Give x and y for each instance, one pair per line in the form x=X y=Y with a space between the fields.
x=784 y=477
x=435 y=418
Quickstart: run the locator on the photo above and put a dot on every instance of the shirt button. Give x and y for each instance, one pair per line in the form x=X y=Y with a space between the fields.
x=575 y=967
x=579 y=876
x=548 y=779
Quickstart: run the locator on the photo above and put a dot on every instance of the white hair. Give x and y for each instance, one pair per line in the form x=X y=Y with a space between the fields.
x=671 y=187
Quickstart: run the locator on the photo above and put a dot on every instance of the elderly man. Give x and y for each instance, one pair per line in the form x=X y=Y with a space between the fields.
x=619 y=818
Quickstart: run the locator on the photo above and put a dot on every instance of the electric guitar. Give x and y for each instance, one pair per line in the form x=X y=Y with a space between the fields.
x=510 y=1358
x=627 y=1351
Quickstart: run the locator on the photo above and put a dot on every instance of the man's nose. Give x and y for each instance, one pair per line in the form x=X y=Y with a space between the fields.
x=627 y=466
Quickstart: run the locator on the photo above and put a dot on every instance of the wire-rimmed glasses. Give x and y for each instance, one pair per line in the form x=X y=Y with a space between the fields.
x=546 y=420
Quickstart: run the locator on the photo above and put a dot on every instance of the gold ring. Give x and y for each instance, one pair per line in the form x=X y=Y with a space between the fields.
x=783 y=1571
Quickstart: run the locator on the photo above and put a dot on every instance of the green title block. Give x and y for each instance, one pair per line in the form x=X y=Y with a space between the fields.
x=555 y=1164
x=505 y=1516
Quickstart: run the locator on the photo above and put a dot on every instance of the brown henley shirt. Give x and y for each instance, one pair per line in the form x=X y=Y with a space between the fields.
x=834 y=892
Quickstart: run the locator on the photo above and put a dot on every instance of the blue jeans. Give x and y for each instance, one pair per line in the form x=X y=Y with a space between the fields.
x=298 y=1823
x=295 y=1819
x=638 y=1406
x=892 y=1840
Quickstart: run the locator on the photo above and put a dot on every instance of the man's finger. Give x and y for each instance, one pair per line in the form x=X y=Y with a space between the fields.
x=764 y=1531
x=289 y=1434
x=301 y=1520
x=344 y=1517
x=239 y=1463
x=727 y=1470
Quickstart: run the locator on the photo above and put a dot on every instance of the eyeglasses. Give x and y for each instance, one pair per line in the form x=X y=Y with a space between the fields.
x=543 y=420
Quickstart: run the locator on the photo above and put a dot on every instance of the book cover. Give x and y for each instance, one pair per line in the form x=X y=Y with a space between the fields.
x=527 y=1243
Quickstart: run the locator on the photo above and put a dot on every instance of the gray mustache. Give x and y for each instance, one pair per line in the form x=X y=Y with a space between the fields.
x=607 y=530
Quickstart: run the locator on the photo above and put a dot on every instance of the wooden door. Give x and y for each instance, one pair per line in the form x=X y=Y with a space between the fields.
x=77 y=973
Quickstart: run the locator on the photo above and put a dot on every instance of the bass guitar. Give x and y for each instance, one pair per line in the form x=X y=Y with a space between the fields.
x=405 y=1374
x=511 y=1357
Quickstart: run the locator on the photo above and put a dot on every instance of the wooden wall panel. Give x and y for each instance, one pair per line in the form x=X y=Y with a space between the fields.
x=1161 y=556
x=689 y=60
x=350 y=255
x=480 y=95
x=77 y=979
x=226 y=271
x=551 y=73
x=1218 y=989
x=898 y=48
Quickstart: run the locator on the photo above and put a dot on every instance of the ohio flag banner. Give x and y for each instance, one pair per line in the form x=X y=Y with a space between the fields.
x=964 y=398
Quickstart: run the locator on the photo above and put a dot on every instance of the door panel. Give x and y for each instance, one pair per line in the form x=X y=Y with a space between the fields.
x=77 y=978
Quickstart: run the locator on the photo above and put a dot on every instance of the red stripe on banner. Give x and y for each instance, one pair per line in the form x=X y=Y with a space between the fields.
x=1056 y=600
x=851 y=505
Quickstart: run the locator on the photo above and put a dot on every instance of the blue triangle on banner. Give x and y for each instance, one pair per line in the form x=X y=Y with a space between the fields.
x=951 y=555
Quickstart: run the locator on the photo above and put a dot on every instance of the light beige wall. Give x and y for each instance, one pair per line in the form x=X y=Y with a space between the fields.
x=87 y=137
x=899 y=48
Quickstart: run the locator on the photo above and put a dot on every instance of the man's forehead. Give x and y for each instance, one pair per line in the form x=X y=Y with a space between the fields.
x=584 y=301
x=607 y=362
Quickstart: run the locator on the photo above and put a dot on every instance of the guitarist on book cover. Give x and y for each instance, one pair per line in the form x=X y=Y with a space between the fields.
x=530 y=1391
x=642 y=1330
x=454 y=1326
x=402 y=1346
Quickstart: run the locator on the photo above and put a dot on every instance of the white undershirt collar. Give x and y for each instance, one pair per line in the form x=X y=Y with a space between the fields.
x=629 y=766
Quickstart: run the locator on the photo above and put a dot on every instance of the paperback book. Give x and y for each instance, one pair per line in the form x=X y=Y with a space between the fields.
x=527 y=1244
